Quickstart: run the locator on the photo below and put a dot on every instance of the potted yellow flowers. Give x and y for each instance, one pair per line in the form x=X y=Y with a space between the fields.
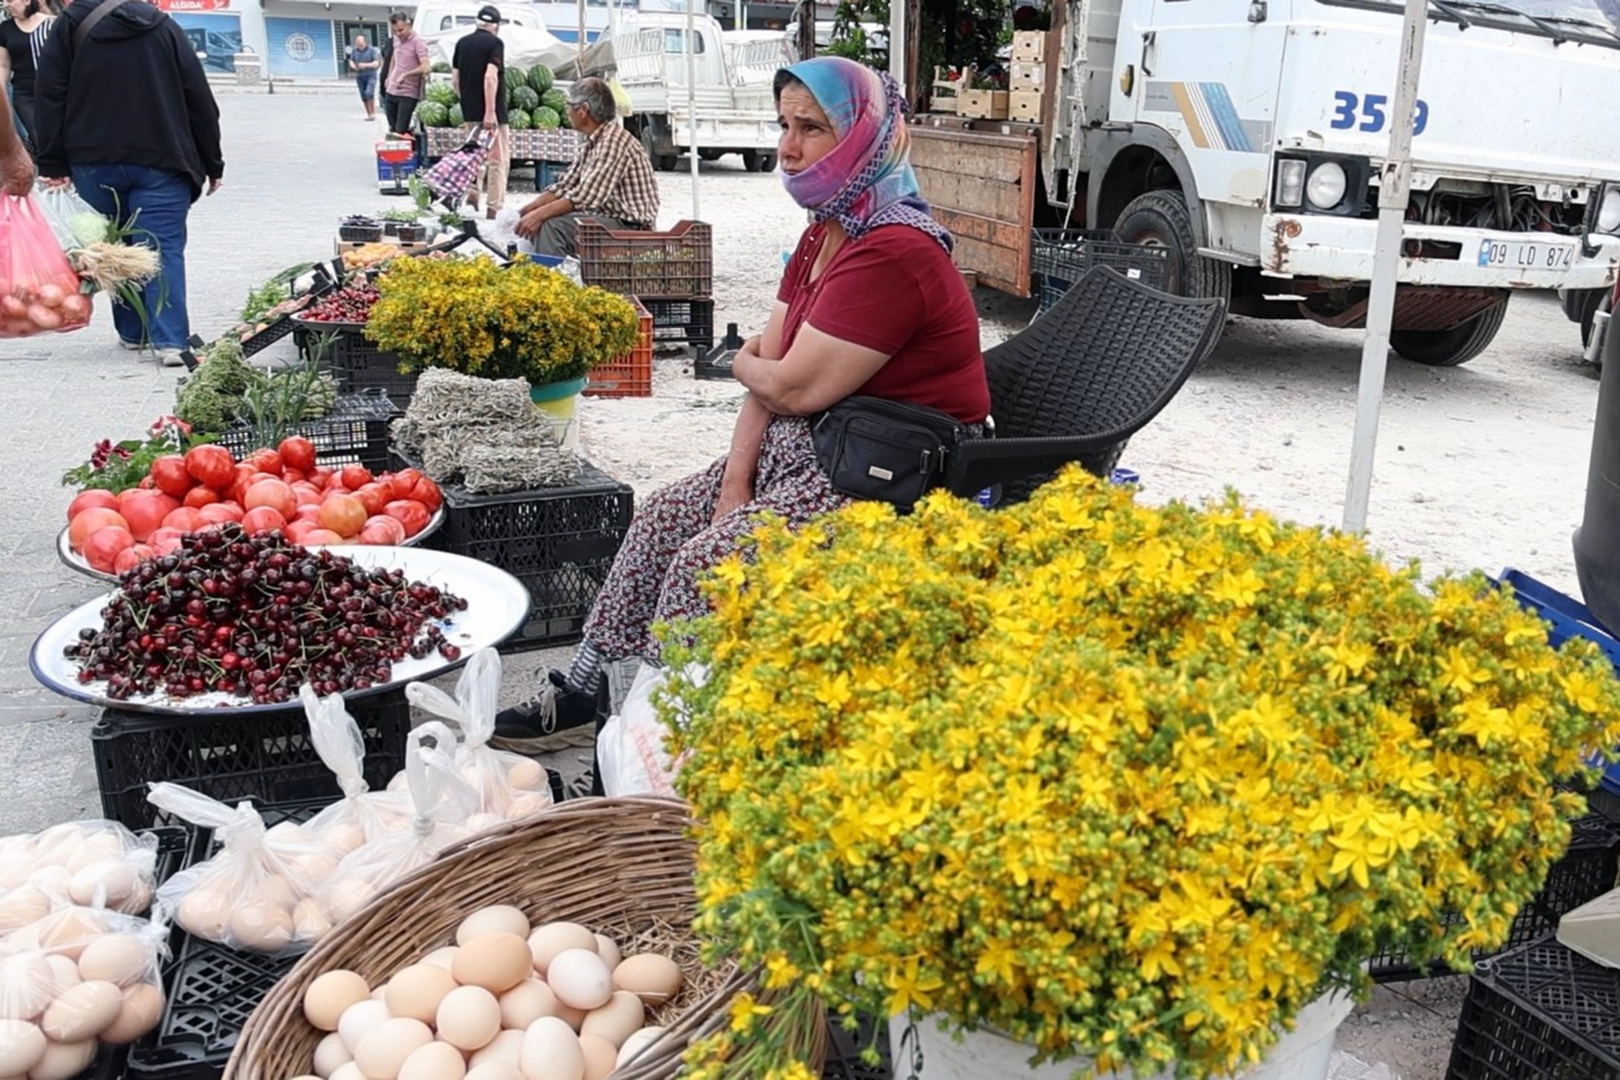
x=479 y=318
x=1129 y=786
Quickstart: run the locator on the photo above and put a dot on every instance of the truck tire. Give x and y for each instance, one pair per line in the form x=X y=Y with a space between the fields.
x=1161 y=219
x=751 y=160
x=767 y=163
x=649 y=143
x=1448 y=348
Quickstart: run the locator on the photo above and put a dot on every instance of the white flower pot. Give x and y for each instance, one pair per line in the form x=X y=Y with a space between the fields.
x=1301 y=1054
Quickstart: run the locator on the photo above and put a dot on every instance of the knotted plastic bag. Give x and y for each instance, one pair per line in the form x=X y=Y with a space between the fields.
x=509 y=786
x=440 y=801
x=353 y=820
x=93 y=863
x=85 y=978
x=39 y=292
x=257 y=892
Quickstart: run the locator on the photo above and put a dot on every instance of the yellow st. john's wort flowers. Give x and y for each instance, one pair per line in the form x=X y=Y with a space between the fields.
x=1131 y=784
x=479 y=318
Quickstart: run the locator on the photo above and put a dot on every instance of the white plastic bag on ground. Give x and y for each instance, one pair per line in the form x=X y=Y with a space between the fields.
x=502 y=232
x=630 y=750
x=509 y=785
x=353 y=820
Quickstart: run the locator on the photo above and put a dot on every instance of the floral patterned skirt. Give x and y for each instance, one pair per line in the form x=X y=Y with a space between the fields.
x=674 y=540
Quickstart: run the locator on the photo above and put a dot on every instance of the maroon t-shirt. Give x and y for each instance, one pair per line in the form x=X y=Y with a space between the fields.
x=896 y=291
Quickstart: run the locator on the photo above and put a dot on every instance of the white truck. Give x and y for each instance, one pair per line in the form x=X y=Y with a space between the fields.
x=735 y=112
x=1247 y=139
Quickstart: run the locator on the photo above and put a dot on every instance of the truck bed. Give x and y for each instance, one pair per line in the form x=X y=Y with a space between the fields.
x=981 y=186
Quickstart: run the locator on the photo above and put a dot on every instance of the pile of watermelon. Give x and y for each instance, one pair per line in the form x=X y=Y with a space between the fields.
x=437 y=103
x=531 y=98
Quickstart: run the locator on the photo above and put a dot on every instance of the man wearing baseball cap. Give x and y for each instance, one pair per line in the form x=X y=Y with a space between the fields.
x=479 y=73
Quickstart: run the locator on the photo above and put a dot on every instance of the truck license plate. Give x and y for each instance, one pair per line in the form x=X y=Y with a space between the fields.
x=1518 y=255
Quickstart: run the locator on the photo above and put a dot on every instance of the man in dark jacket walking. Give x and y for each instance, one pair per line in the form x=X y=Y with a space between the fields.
x=127 y=114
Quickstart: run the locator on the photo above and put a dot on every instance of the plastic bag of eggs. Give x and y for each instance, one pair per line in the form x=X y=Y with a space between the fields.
x=510 y=786
x=503 y=1001
x=257 y=892
x=86 y=977
x=91 y=863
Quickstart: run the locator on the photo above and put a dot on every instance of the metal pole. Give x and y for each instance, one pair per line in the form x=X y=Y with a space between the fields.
x=1395 y=185
x=897 y=43
x=742 y=14
x=691 y=102
x=579 y=51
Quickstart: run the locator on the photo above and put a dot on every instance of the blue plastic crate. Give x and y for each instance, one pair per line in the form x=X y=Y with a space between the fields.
x=1568 y=618
x=547 y=173
x=388 y=170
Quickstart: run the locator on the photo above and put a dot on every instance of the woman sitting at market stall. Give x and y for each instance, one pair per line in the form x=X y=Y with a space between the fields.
x=869 y=304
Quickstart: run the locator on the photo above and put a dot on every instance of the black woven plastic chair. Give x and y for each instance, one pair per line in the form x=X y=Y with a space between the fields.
x=1079 y=381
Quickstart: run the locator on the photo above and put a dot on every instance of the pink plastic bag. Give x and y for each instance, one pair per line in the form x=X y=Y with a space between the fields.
x=39 y=292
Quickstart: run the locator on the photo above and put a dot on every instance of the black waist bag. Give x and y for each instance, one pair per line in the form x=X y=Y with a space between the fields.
x=874 y=448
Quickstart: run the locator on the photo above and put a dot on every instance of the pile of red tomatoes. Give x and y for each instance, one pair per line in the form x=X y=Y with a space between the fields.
x=281 y=489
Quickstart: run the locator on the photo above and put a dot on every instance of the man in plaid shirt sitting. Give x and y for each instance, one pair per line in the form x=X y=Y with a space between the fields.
x=611 y=180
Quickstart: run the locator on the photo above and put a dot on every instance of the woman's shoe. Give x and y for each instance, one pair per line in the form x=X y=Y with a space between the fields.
x=526 y=727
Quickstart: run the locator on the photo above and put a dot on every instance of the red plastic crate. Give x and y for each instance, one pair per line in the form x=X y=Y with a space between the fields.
x=628 y=376
x=674 y=265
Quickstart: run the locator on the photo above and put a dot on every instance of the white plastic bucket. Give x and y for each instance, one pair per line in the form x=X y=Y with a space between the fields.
x=1302 y=1054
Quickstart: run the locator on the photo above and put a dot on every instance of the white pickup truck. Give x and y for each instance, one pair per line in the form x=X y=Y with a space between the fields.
x=735 y=113
x=1247 y=137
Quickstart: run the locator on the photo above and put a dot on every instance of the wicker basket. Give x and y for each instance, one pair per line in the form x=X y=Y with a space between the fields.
x=604 y=863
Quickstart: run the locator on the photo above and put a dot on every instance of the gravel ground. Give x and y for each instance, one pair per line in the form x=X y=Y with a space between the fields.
x=1481 y=466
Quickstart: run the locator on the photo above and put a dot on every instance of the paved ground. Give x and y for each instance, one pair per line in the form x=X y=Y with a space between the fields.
x=296 y=164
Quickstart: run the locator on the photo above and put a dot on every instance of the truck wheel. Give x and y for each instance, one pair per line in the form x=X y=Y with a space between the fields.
x=1161 y=219
x=660 y=162
x=1597 y=300
x=767 y=163
x=1448 y=348
x=751 y=160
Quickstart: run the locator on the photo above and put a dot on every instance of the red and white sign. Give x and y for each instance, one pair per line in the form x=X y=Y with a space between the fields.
x=194 y=5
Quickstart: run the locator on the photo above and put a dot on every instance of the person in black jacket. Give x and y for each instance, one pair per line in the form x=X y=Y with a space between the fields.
x=129 y=117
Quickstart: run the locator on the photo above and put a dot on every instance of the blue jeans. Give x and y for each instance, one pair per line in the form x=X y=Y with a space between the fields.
x=157 y=200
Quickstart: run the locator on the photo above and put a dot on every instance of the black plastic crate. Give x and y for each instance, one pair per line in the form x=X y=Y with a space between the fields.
x=558 y=541
x=844 y=1052
x=1061 y=257
x=210 y=991
x=176 y=847
x=1539 y=1011
x=358 y=365
x=683 y=322
x=230 y=756
x=1586 y=872
x=271 y=334
x=356 y=430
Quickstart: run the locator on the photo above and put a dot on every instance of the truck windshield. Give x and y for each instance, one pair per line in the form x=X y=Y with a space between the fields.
x=1594 y=22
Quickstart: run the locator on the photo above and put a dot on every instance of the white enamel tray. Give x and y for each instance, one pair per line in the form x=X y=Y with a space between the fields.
x=497 y=604
x=73 y=560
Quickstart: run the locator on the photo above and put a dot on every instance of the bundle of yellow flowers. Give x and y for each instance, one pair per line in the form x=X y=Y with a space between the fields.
x=1128 y=784
x=479 y=318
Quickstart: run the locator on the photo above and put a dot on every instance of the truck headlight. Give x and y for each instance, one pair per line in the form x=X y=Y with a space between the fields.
x=1313 y=183
x=1290 y=182
x=1327 y=184
x=1608 y=215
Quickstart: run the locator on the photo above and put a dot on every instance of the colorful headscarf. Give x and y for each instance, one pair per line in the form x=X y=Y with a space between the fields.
x=866 y=180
